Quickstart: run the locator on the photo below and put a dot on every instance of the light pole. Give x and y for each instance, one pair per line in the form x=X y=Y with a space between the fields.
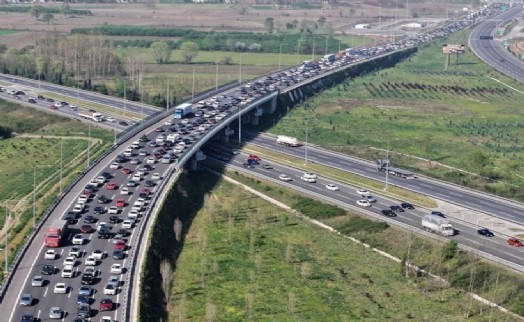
x=279 y=56
x=387 y=168
x=325 y=53
x=305 y=146
x=167 y=95
x=61 y=162
x=239 y=125
x=313 y=50
x=125 y=100
x=34 y=189
x=216 y=76
x=193 y=88
x=89 y=146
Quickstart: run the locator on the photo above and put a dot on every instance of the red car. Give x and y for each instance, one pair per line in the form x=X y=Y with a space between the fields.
x=111 y=186
x=88 y=192
x=145 y=192
x=125 y=171
x=255 y=157
x=86 y=229
x=515 y=242
x=106 y=304
x=120 y=203
x=53 y=107
x=120 y=245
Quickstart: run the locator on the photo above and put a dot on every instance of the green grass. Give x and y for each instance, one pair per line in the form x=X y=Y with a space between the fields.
x=4 y=32
x=245 y=259
x=458 y=117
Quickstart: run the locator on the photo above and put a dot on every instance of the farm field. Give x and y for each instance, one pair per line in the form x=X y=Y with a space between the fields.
x=35 y=155
x=244 y=259
x=462 y=117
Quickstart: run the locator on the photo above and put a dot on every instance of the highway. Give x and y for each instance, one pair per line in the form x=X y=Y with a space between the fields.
x=346 y=197
x=491 y=51
x=498 y=207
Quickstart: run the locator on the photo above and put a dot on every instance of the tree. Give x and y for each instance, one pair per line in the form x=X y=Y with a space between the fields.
x=36 y=10
x=254 y=47
x=189 y=51
x=321 y=21
x=269 y=23
x=449 y=250
x=161 y=51
x=47 y=17
x=65 y=9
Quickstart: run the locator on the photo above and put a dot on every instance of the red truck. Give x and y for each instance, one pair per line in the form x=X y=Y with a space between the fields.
x=55 y=232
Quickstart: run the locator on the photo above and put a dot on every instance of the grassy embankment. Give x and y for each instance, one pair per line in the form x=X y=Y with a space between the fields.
x=244 y=259
x=37 y=150
x=459 y=117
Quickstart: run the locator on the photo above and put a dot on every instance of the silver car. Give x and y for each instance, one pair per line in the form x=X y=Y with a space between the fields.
x=26 y=300
x=37 y=281
x=55 y=313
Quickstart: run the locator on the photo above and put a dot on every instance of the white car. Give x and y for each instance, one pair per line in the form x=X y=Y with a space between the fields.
x=124 y=190
x=101 y=224
x=78 y=239
x=75 y=252
x=69 y=260
x=133 y=214
x=38 y=281
x=150 y=160
x=110 y=289
x=91 y=261
x=113 y=210
x=128 y=223
x=114 y=165
x=332 y=187
x=110 y=119
x=106 y=319
x=97 y=254
x=137 y=177
x=60 y=288
x=363 y=203
x=68 y=271
x=50 y=254
x=116 y=268
x=78 y=208
x=114 y=280
x=285 y=177
x=82 y=199
x=363 y=192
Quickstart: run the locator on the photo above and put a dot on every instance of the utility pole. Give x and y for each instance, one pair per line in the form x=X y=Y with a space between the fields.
x=305 y=146
x=193 y=88
x=167 y=95
x=279 y=56
x=89 y=146
x=387 y=168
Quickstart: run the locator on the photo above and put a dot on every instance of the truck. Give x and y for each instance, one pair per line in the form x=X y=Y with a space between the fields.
x=183 y=110
x=437 y=225
x=287 y=140
x=173 y=137
x=55 y=232
x=330 y=57
x=385 y=166
x=95 y=116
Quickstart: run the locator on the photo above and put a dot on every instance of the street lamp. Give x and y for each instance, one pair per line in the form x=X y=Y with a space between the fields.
x=89 y=145
x=34 y=188
x=193 y=88
x=216 y=76
x=305 y=146
x=387 y=168
x=279 y=56
x=240 y=69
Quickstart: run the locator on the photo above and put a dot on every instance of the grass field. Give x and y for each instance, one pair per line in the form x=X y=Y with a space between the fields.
x=44 y=143
x=246 y=260
x=4 y=32
x=459 y=117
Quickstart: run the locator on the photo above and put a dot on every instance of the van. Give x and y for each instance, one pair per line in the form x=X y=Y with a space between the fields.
x=309 y=177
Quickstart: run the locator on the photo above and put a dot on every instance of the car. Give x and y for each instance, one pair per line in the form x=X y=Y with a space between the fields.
x=113 y=280
x=123 y=232
x=254 y=157
x=235 y=151
x=120 y=245
x=91 y=261
x=103 y=199
x=83 y=198
x=48 y=269
x=78 y=239
x=396 y=208
x=70 y=260
x=370 y=198
x=117 y=238
x=60 y=288
x=123 y=123
x=438 y=213
x=131 y=183
x=78 y=208
x=106 y=319
x=363 y=192
x=113 y=210
x=50 y=254
x=146 y=168
x=68 y=271
x=134 y=161
x=156 y=176
x=83 y=311
x=118 y=254
x=82 y=299
x=109 y=289
x=28 y=318
x=88 y=277
x=114 y=219
x=120 y=203
x=267 y=166
x=116 y=268
x=114 y=165
x=407 y=205
x=102 y=225
x=70 y=217
x=363 y=203
x=332 y=187
x=37 y=281
x=111 y=186
x=98 y=210
x=125 y=171
x=143 y=138
x=26 y=300
x=75 y=252
x=388 y=213
x=128 y=223
x=284 y=177
x=89 y=219
x=515 y=242
x=106 y=304
x=55 y=313
x=149 y=183
x=150 y=160
x=85 y=290
x=485 y=232
x=145 y=192
x=86 y=229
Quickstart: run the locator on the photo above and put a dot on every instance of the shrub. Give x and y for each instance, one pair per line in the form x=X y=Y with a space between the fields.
x=316 y=209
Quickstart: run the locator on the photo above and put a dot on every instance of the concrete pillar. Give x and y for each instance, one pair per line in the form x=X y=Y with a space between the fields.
x=254 y=119
x=273 y=105
x=192 y=164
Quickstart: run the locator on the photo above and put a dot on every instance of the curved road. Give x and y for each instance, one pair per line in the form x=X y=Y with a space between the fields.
x=491 y=51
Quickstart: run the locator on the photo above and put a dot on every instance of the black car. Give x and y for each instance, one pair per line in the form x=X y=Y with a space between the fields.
x=40 y=97
x=149 y=183
x=389 y=213
x=103 y=199
x=123 y=123
x=143 y=138
x=48 y=269
x=83 y=311
x=99 y=210
x=123 y=232
x=438 y=213
x=104 y=234
x=82 y=299
x=50 y=100
x=31 y=100
x=120 y=159
x=146 y=168
x=89 y=219
x=118 y=254
x=114 y=219
x=106 y=175
x=396 y=208
x=407 y=205
x=28 y=318
x=485 y=232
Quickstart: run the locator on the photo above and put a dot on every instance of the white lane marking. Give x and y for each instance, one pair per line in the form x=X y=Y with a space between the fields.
x=46 y=289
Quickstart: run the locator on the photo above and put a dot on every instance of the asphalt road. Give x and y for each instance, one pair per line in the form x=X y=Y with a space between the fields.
x=347 y=197
x=491 y=51
x=498 y=207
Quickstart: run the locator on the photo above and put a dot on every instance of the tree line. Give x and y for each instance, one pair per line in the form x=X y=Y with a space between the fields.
x=46 y=9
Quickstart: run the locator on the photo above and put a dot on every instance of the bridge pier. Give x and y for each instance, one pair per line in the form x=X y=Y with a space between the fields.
x=224 y=138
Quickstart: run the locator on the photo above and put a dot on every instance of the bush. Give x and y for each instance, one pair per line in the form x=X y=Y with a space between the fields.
x=359 y=225
x=316 y=209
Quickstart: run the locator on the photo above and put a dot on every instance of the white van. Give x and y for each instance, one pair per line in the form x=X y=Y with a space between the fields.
x=309 y=177
x=128 y=152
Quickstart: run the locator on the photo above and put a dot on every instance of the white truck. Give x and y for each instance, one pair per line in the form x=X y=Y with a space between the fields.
x=183 y=110
x=172 y=137
x=287 y=140
x=309 y=177
x=95 y=116
x=437 y=225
